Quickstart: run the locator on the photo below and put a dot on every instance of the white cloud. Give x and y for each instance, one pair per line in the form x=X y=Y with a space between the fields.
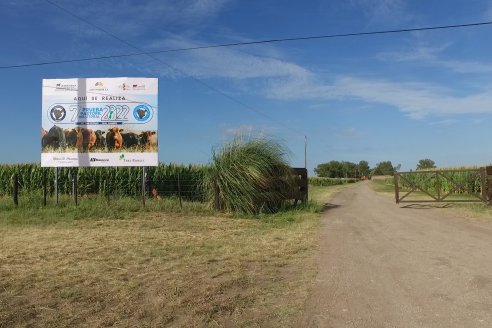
x=430 y=56
x=381 y=12
x=417 y=100
x=284 y=80
x=243 y=129
x=137 y=18
x=227 y=63
x=450 y=121
x=349 y=133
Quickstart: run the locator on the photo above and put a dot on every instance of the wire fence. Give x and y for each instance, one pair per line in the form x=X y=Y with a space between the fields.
x=165 y=181
x=33 y=185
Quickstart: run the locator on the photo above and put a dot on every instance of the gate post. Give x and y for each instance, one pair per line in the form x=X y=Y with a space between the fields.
x=397 y=188
x=15 y=185
x=438 y=187
x=483 y=183
x=488 y=169
x=144 y=191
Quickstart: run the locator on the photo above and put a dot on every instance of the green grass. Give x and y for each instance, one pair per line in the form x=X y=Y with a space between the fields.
x=383 y=185
x=320 y=194
x=125 y=265
x=32 y=211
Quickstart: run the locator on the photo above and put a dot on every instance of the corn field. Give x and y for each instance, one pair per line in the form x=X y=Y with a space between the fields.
x=326 y=182
x=169 y=180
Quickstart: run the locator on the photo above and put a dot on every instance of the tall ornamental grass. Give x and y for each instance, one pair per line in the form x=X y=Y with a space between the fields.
x=249 y=176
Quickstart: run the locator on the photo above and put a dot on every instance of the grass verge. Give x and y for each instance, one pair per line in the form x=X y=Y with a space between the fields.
x=123 y=265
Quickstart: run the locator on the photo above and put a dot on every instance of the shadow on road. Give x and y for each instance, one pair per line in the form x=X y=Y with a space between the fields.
x=329 y=206
x=426 y=206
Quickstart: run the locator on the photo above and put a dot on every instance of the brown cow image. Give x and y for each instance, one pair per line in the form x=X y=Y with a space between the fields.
x=148 y=139
x=92 y=138
x=118 y=139
x=70 y=137
x=85 y=140
x=80 y=139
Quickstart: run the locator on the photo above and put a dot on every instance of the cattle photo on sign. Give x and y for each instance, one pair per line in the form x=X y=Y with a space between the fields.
x=84 y=140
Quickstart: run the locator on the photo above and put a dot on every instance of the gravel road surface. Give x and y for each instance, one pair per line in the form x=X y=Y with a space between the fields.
x=385 y=265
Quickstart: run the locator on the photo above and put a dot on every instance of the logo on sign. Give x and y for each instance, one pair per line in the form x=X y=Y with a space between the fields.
x=141 y=113
x=58 y=113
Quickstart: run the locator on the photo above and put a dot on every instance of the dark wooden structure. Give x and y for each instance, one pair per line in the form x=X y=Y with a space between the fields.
x=475 y=185
x=301 y=192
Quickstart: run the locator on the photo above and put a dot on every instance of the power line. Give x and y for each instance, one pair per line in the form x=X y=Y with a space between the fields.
x=174 y=68
x=235 y=44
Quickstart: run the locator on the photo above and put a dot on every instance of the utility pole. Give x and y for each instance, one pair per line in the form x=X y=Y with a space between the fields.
x=305 y=152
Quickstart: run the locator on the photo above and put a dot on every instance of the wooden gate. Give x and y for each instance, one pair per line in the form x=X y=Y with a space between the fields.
x=466 y=185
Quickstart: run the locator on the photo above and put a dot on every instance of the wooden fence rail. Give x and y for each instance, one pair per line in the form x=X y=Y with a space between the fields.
x=460 y=185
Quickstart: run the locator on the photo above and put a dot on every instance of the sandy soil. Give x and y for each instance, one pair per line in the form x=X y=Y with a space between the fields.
x=386 y=265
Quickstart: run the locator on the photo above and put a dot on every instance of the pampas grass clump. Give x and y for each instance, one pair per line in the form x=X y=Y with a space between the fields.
x=250 y=175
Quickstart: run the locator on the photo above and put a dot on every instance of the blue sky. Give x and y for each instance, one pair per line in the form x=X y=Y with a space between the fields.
x=399 y=97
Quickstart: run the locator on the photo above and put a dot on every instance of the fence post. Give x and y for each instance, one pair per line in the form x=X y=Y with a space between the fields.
x=483 y=180
x=143 y=185
x=15 y=181
x=106 y=189
x=179 y=193
x=74 y=189
x=397 y=187
x=488 y=173
x=56 y=184
x=45 y=190
x=216 y=196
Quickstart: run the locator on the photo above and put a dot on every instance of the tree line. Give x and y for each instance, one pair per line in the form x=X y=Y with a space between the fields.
x=349 y=170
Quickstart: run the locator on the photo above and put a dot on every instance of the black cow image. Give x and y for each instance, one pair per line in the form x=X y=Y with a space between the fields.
x=100 y=139
x=130 y=139
x=54 y=138
x=110 y=139
x=71 y=137
x=141 y=113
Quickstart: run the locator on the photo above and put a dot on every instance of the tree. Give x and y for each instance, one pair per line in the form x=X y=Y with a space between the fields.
x=332 y=169
x=344 y=169
x=384 y=168
x=363 y=168
x=426 y=164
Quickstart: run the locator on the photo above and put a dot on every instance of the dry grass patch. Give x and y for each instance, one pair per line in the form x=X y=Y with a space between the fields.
x=157 y=270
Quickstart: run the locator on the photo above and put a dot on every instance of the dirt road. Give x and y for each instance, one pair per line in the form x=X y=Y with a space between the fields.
x=382 y=265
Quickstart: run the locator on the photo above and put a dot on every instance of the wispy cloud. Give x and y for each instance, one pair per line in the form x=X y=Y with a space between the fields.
x=348 y=133
x=382 y=12
x=447 y=122
x=227 y=63
x=285 y=80
x=154 y=15
x=243 y=129
x=248 y=130
x=417 y=100
x=430 y=56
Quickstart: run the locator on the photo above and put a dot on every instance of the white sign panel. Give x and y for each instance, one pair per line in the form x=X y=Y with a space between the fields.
x=99 y=122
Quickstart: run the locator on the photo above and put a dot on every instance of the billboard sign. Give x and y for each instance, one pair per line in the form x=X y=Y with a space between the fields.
x=99 y=122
